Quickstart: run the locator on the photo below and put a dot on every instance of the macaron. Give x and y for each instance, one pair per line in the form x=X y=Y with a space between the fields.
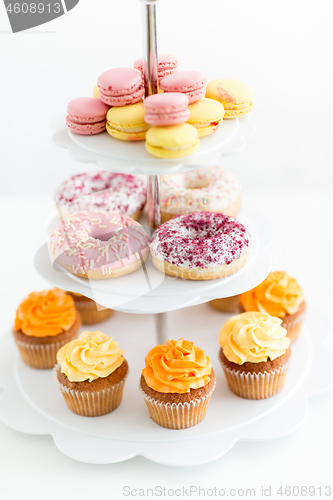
x=127 y=122
x=170 y=108
x=167 y=64
x=205 y=116
x=175 y=141
x=120 y=86
x=96 y=91
x=235 y=96
x=191 y=83
x=86 y=116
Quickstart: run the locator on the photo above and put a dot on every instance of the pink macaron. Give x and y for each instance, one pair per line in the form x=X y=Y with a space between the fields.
x=170 y=108
x=120 y=86
x=167 y=64
x=86 y=116
x=191 y=83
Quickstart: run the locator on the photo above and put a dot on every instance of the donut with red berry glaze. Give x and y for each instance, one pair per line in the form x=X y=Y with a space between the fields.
x=107 y=191
x=200 y=246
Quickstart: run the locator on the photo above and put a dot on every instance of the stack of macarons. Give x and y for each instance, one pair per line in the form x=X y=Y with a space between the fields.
x=169 y=136
x=170 y=121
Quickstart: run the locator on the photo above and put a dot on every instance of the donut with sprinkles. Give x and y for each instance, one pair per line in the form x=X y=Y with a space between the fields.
x=211 y=189
x=200 y=246
x=99 y=245
x=107 y=191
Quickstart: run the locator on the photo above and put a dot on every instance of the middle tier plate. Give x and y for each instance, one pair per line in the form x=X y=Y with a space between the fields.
x=131 y=157
x=149 y=291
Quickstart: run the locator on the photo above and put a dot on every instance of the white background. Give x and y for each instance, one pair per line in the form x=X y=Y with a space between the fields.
x=283 y=50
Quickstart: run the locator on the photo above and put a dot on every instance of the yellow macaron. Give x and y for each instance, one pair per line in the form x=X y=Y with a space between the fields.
x=174 y=141
x=127 y=122
x=206 y=115
x=96 y=91
x=235 y=96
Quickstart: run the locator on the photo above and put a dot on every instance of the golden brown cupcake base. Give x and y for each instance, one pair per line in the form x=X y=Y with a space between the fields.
x=41 y=352
x=256 y=380
x=93 y=399
x=293 y=322
x=227 y=304
x=88 y=309
x=178 y=411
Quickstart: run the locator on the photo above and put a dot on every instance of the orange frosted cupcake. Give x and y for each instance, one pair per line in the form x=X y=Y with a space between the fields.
x=177 y=384
x=91 y=374
x=90 y=312
x=254 y=354
x=279 y=295
x=45 y=321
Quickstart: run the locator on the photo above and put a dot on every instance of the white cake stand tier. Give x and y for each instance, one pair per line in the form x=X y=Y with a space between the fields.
x=149 y=291
x=126 y=157
x=32 y=402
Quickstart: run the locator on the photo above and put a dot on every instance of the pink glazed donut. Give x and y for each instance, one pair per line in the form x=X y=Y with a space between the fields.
x=108 y=191
x=99 y=245
x=200 y=246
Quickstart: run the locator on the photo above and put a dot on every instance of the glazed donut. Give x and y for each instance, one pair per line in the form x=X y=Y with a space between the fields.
x=211 y=189
x=200 y=246
x=99 y=245
x=123 y=193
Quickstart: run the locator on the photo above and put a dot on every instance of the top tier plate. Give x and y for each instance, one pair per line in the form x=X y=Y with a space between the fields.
x=131 y=157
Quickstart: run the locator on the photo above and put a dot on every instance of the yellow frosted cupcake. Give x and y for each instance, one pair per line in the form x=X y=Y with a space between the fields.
x=254 y=354
x=279 y=295
x=177 y=383
x=45 y=321
x=91 y=374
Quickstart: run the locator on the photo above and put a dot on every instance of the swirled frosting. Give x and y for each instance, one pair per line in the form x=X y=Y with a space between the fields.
x=278 y=295
x=253 y=337
x=176 y=367
x=92 y=355
x=45 y=314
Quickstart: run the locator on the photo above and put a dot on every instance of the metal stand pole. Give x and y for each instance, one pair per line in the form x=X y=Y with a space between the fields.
x=150 y=71
x=161 y=327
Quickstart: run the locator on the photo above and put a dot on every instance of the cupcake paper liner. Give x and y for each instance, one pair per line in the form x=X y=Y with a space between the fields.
x=177 y=415
x=256 y=385
x=293 y=327
x=91 y=403
x=90 y=314
x=227 y=304
x=43 y=356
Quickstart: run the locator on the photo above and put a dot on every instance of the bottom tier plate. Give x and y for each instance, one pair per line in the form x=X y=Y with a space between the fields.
x=32 y=403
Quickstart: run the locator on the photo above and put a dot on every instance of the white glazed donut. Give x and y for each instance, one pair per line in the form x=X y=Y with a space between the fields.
x=99 y=245
x=211 y=189
x=108 y=191
x=200 y=246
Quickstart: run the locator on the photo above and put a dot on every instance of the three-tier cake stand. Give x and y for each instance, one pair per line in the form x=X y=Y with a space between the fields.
x=129 y=431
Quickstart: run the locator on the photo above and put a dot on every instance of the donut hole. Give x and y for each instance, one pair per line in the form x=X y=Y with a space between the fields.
x=199 y=231
x=196 y=183
x=103 y=234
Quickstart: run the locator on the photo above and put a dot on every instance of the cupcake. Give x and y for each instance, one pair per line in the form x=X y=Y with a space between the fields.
x=45 y=321
x=90 y=312
x=254 y=354
x=91 y=374
x=279 y=295
x=227 y=304
x=177 y=384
